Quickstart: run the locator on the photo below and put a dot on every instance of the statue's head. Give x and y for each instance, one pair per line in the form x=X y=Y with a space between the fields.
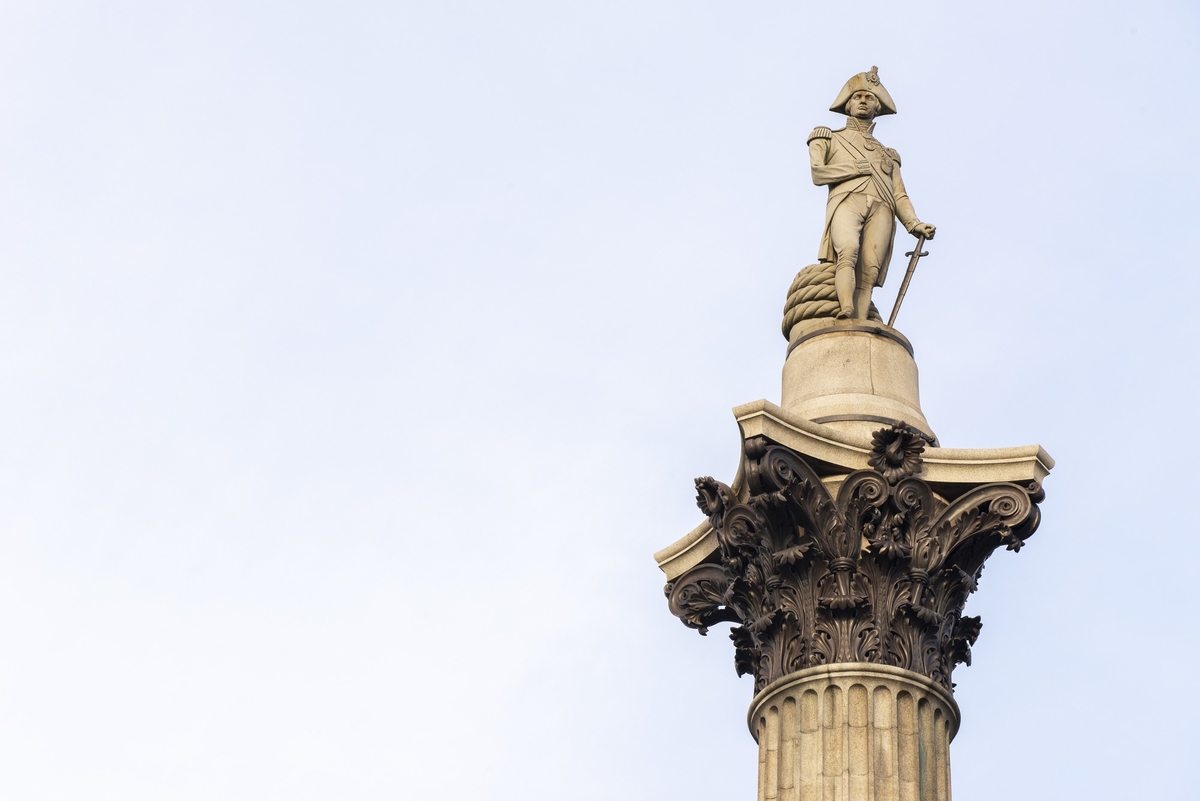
x=863 y=105
x=855 y=99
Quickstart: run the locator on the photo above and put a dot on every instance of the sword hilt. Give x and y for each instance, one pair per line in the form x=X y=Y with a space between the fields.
x=922 y=253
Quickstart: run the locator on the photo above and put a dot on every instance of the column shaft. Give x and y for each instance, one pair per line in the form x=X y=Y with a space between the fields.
x=854 y=732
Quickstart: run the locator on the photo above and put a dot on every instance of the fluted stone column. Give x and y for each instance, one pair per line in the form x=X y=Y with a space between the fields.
x=849 y=540
x=854 y=732
x=844 y=552
x=845 y=567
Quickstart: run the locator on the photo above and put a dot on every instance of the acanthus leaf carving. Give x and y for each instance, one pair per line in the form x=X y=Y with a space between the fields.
x=878 y=573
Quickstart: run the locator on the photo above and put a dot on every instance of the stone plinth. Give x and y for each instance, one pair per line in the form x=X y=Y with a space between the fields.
x=854 y=732
x=852 y=377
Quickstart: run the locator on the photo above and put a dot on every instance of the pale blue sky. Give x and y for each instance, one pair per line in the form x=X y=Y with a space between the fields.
x=355 y=357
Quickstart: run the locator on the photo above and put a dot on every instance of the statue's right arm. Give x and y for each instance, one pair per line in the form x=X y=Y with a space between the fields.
x=823 y=173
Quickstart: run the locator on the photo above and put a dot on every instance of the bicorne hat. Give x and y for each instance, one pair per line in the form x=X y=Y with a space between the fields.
x=865 y=82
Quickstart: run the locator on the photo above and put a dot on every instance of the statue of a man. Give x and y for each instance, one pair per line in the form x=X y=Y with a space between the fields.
x=866 y=194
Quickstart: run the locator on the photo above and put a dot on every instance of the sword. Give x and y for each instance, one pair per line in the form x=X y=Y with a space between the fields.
x=912 y=266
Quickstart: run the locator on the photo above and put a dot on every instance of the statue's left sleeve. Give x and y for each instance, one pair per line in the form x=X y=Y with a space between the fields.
x=904 y=207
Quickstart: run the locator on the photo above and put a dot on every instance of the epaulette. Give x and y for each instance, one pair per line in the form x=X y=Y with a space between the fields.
x=820 y=132
x=895 y=156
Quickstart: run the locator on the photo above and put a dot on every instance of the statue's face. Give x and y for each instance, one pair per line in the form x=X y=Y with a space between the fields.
x=863 y=105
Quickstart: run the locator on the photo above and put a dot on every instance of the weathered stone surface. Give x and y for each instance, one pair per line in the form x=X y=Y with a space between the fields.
x=854 y=731
x=847 y=544
x=834 y=453
x=866 y=195
x=853 y=377
x=875 y=568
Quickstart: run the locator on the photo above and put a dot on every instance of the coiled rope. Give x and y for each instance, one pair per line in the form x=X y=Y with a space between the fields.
x=813 y=295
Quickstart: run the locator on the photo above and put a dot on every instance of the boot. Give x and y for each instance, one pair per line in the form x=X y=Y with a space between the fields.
x=843 y=282
x=862 y=302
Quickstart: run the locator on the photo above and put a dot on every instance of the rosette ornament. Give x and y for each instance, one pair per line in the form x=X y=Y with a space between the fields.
x=876 y=569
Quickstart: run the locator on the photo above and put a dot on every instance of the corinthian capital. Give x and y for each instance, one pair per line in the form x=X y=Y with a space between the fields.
x=874 y=566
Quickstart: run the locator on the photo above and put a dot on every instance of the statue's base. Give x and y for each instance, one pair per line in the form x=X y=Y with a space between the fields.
x=855 y=731
x=854 y=376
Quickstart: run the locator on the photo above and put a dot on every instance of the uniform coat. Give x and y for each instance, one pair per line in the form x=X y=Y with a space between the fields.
x=834 y=157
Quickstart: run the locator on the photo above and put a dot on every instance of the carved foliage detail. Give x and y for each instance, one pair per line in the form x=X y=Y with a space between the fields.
x=879 y=573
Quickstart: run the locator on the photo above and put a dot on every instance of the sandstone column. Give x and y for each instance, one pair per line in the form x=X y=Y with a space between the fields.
x=845 y=548
x=844 y=553
x=853 y=731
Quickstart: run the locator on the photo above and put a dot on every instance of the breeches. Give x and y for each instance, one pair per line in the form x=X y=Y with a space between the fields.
x=861 y=231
